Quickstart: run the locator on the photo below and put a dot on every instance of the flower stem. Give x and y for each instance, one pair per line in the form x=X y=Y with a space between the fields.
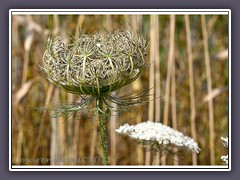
x=103 y=130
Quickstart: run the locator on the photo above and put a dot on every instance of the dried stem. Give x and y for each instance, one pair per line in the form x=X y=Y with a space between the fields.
x=174 y=110
x=57 y=136
x=191 y=84
x=169 y=72
x=151 y=77
x=209 y=87
x=75 y=138
x=93 y=141
x=50 y=92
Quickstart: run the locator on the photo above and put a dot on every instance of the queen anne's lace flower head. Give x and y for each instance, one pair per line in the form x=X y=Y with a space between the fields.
x=95 y=64
x=156 y=132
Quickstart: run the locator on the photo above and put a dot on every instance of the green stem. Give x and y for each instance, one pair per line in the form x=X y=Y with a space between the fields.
x=103 y=130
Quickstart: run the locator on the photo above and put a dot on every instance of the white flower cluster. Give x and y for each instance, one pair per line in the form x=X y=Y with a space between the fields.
x=157 y=132
x=224 y=158
x=225 y=141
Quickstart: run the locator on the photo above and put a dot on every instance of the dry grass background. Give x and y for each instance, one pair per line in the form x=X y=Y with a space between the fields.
x=189 y=72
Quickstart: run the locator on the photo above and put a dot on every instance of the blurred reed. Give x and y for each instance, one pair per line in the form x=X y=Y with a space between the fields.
x=191 y=84
x=209 y=87
x=168 y=79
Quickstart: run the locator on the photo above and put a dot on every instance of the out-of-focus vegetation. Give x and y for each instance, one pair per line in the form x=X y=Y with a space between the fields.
x=189 y=73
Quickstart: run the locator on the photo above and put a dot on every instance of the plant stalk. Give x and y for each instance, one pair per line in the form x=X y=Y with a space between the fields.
x=103 y=129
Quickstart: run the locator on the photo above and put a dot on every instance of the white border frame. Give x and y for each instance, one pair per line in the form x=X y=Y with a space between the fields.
x=116 y=12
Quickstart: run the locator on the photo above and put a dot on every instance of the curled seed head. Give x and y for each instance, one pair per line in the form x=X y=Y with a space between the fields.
x=95 y=64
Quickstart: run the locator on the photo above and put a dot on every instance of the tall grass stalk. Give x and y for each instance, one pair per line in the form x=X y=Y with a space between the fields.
x=191 y=84
x=209 y=88
x=169 y=73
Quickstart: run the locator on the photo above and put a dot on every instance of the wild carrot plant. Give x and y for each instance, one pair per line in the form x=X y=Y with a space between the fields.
x=93 y=66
